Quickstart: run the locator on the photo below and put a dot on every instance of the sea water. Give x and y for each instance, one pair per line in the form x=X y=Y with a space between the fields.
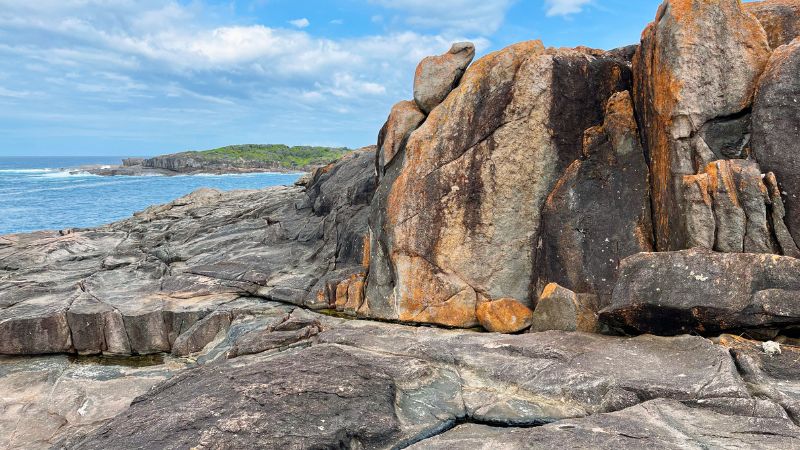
x=45 y=193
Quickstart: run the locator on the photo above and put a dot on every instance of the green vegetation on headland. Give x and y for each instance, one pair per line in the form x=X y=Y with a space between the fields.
x=276 y=155
x=231 y=159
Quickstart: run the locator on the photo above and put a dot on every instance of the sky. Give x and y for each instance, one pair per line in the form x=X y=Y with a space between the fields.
x=146 y=77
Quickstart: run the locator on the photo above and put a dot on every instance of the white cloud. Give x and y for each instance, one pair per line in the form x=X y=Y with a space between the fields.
x=300 y=23
x=565 y=7
x=455 y=16
x=152 y=59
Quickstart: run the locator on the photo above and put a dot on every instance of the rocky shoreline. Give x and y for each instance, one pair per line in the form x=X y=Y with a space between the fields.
x=569 y=248
x=138 y=167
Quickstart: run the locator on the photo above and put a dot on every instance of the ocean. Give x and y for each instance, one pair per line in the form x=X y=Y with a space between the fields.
x=41 y=193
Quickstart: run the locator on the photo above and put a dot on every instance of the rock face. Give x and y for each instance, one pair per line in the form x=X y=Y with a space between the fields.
x=695 y=75
x=599 y=211
x=451 y=227
x=436 y=76
x=700 y=291
x=140 y=284
x=776 y=118
x=780 y=19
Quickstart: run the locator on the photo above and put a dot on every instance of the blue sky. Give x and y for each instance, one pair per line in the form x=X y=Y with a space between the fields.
x=143 y=77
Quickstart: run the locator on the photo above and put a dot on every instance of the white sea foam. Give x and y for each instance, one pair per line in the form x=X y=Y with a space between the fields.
x=28 y=170
x=68 y=174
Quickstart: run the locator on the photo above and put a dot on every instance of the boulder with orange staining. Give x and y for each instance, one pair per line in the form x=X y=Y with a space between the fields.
x=695 y=74
x=729 y=208
x=458 y=222
x=505 y=315
x=780 y=19
x=436 y=76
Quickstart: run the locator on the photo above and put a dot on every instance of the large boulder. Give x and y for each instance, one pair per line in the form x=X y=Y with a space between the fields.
x=436 y=76
x=705 y=292
x=780 y=19
x=776 y=127
x=599 y=211
x=695 y=74
x=458 y=223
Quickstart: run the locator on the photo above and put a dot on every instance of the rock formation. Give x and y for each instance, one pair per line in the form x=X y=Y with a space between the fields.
x=695 y=76
x=599 y=211
x=705 y=292
x=451 y=227
x=559 y=220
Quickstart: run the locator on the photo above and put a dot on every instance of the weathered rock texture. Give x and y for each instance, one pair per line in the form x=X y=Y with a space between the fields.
x=661 y=424
x=362 y=385
x=776 y=127
x=780 y=19
x=705 y=292
x=730 y=208
x=436 y=76
x=599 y=211
x=137 y=286
x=695 y=75
x=457 y=224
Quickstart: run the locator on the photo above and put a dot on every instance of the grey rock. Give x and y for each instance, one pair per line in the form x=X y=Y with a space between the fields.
x=658 y=424
x=776 y=127
x=780 y=19
x=559 y=308
x=703 y=292
x=436 y=76
x=599 y=211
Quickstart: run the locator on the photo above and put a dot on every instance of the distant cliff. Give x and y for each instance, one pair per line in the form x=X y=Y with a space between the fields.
x=231 y=159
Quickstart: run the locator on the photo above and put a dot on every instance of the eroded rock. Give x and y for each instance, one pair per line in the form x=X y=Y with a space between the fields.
x=142 y=285
x=403 y=120
x=599 y=211
x=698 y=64
x=661 y=424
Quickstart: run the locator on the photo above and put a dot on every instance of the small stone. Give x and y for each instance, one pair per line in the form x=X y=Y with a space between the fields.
x=505 y=315
x=771 y=348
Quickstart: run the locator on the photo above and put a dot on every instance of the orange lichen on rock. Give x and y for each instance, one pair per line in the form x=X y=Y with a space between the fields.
x=698 y=61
